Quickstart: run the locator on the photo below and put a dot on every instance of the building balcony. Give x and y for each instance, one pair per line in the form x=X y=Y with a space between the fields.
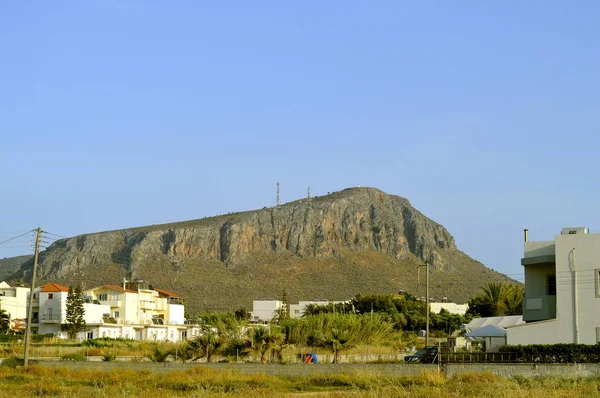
x=147 y=305
x=539 y=308
x=112 y=303
x=46 y=318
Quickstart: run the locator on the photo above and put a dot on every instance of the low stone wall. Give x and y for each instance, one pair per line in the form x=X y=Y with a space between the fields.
x=253 y=368
x=524 y=369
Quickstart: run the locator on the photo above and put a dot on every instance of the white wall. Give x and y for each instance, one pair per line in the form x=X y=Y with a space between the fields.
x=176 y=314
x=264 y=310
x=94 y=312
x=14 y=301
x=297 y=310
x=453 y=308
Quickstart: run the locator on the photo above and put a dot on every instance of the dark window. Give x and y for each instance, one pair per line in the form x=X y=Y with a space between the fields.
x=551 y=282
x=50 y=296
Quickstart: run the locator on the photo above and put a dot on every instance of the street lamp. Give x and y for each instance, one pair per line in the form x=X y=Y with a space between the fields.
x=426 y=265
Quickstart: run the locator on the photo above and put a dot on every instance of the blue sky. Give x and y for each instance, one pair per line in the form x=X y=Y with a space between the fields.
x=126 y=113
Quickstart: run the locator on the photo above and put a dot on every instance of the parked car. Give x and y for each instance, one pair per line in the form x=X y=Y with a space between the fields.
x=424 y=355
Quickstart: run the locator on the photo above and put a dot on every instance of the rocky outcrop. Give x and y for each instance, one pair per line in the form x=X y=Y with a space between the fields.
x=355 y=220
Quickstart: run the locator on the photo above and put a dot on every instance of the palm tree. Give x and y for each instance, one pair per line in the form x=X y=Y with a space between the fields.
x=336 y=340
x=514 y=300
x=495 y=294
x=4 y=321
x=207 y=344
x=311 y=309
x=264 y=339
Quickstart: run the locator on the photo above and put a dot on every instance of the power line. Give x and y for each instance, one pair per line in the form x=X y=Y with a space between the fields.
x=60 y=236
x=16 y=237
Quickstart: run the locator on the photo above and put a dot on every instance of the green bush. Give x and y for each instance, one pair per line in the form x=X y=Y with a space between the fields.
x=555 y=353
x=12 y=362
x=109 y=356
x=74 y=357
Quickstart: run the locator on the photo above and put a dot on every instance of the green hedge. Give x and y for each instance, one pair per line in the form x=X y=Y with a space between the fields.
x=555 y=353
x=103 y=342
x=35 y=338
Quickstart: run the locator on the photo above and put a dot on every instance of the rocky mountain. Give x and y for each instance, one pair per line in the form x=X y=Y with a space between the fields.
x=334 y=246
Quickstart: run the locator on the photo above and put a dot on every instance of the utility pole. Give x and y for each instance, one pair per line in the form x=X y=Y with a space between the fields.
x=426 y=265
x=278 y=199
x=38 y=237
x=427 y=308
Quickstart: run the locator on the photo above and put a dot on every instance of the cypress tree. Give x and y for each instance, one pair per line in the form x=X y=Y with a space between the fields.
x=75 y=312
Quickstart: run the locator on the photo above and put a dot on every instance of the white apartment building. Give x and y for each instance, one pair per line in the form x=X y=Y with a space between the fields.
x=265 y=310
x=12 y=300
x=562 y=290
x=135 y=311
x=50 y=309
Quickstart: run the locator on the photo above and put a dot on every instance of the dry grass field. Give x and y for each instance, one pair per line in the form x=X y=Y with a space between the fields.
x=202 y=381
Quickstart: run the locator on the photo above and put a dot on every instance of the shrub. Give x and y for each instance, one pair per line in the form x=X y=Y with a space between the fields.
x=12 y=362
x=159 y=354
x=74 y=357
x=109 y=356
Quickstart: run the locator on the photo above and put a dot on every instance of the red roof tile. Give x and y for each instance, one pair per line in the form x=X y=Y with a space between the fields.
x=115 y=287
x=53 y=287
x=168 y=293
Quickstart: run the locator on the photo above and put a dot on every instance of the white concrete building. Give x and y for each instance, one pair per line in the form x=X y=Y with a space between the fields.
x=562 y=290
x=297 y=310
x=136 y=311
x=12 y=300
x=453 y=308
x=265 y=310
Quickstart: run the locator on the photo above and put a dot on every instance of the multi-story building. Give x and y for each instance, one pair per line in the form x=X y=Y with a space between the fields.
x=12 y=300
x=562 y=290
x=134 y=311
x=50 y=310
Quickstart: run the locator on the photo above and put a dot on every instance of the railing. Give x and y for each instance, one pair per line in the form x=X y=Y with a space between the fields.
x=465 y=357
x=46 y=318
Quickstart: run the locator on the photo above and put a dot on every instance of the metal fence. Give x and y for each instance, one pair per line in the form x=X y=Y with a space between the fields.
x=482 y=357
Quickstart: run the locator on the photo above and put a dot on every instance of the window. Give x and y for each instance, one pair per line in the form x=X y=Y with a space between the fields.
x=597 y=272
x=50 y=296
x=114 y=297
x=116 y=314
x=103 y=297
x=90 y=335
x=597 y=335
x=551 y=284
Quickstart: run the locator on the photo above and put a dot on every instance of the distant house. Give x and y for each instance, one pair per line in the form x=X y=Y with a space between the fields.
x=297 y=310
x=265 y=309
x=453 y=308
x=491 y=330
x=562 y=290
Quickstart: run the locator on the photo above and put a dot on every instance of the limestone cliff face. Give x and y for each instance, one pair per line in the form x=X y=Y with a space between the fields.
x=355 y=219
x=249 y=251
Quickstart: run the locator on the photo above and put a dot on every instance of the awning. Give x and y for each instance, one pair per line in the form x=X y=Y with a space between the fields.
x=487 y=331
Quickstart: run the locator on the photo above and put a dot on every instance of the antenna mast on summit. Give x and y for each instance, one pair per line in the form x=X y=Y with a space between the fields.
x=309 y=193
x=278 y=199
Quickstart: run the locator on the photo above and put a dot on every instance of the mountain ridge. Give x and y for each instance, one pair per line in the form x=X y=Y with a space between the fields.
x=332 y=246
